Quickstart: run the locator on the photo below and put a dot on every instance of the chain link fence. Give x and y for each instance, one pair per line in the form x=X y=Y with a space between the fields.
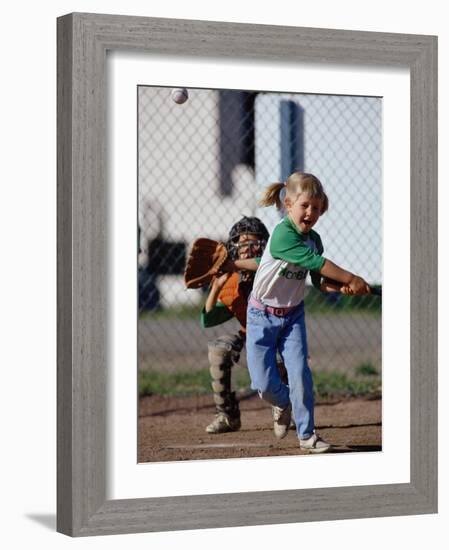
x=203 y=165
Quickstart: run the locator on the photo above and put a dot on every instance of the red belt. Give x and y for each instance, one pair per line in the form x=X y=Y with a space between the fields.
x=278 y=311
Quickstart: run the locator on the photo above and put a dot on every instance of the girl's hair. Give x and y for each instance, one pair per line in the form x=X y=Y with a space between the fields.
x=298 y=182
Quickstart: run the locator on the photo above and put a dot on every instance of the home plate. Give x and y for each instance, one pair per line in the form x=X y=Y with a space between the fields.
x=220 y=446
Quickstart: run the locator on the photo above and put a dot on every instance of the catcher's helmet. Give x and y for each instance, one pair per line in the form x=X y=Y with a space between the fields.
x=246 y=226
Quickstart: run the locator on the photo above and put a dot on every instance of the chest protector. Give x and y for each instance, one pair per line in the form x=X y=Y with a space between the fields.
x=234 y=295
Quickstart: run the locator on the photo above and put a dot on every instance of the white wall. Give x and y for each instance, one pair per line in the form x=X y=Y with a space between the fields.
x=342 y=145
x=179 y=171
x=28 y=461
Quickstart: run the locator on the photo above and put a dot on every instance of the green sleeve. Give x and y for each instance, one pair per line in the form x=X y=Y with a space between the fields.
x=288 y=245
x=257 y=259
x=216 y=316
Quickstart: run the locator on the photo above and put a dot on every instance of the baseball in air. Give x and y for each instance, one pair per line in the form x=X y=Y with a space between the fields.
x=180 y=95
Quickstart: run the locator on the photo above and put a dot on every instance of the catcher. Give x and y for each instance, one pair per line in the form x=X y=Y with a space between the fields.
x=228 y=298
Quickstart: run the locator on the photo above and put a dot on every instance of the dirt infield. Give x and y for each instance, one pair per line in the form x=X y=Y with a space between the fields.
x=173 y=428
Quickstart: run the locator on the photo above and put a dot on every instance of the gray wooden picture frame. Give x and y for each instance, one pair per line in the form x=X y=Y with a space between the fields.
x=83 y=40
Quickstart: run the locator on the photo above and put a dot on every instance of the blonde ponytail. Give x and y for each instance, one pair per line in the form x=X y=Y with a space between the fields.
x=297 y=182
x=272 y=195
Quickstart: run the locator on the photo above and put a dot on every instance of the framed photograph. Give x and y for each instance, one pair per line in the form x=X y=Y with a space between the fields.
x=170 y=130
x=196 y=400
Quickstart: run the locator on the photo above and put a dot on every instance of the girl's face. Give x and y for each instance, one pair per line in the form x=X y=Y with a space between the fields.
x=304 y=211
x=249 y=246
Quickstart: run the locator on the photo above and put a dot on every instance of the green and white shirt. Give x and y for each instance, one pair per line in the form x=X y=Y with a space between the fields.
x=288 y=257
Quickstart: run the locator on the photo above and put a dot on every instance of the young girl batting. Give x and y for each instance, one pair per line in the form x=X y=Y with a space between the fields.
x=275 y=315
x=228 y=299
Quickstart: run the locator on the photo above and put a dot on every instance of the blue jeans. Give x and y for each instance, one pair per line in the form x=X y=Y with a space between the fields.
x=267 y=334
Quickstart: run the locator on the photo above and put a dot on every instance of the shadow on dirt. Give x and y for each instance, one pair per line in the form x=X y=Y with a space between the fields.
x=357 y=448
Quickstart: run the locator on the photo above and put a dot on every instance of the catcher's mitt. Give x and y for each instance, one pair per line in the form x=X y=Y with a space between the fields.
x=205 y=260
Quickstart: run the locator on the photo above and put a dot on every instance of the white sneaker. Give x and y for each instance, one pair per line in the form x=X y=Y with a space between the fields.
x=314 y=444
x=223 y=423
x=281 y=419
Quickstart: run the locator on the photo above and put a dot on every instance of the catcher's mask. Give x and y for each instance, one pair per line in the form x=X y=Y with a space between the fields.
x=246 y=226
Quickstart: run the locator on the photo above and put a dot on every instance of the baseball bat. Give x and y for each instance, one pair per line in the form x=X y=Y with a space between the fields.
x=375 y=290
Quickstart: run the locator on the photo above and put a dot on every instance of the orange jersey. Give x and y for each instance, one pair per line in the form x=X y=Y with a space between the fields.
x=234 y=295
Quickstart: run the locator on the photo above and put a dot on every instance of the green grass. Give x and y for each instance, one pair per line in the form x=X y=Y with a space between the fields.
x=185 y=382
x=337 y=384
x=364 y=381
x=366 y=369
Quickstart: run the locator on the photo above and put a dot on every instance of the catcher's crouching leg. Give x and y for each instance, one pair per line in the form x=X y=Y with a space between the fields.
x=223 y=352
